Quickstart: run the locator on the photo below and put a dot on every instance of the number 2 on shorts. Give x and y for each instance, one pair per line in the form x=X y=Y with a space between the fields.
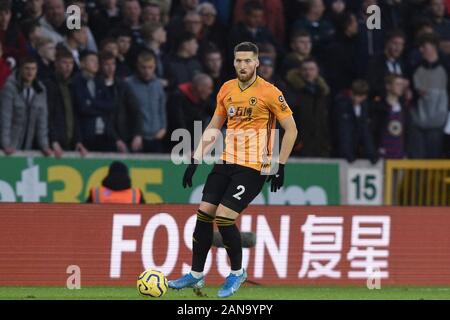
x=241 y=190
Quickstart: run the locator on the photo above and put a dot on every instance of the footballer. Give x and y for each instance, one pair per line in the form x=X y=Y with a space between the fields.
x=251 y=106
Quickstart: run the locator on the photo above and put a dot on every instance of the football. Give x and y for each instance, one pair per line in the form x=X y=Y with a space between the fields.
x=152 y=283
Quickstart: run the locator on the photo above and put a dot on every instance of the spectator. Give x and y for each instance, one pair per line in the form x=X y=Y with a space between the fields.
x=184 y=6
x=131 y=15
x=24 y=111
x=414 y=55
x=389 y=62
x=110 y=45
x=64 y=131
x=342 y=69
x=94 y=106
x=441 y=24
x=336 y=11
x=320 y=29
x=370 y=41
x=213 y=30
x=152 y=8
x=268 y=50
x=33 y=32
x=12 y=39
x=75 y=41
x=33 y=11
x=176 y=22
x=224 y=10
x=154 y=36
x=124 y=41
x=106 y=17
x=301 y=46
x=251 y=28
x=190 y=23
x=273 y=9
x=311 y=109
x=394 y=14
x=151 y=13
x=127 y=119
x=355 y=139
x=190 y=103
x=267 y=71
x=46 y=50
x=151 y=99
x=91 y=45
x=390 y=119
x=213 y=66
x=5 y=69
x=53 y=21
x=430 y=82
x=182 y=66
x=116 y=187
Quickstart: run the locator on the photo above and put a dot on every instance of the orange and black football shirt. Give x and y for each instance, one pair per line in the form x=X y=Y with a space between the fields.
x=251 y=117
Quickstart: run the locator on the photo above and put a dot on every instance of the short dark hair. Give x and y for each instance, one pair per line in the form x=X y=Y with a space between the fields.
x=185 y=37
x=86 y=53
x=429 y=38
x=5 y=5
x=251 y=6
x=27 y=60
x=106 y=56
x=107 y=41
x=63 y=53
x=309 y=60
x=300 y=33
x=345 y=21
x=396 y=33
x=211 y=48
x=122 y=32
x=247 y=46
x=360 y=87
x=29 y=27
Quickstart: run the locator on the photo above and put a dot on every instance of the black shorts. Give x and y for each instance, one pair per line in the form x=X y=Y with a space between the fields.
x=232 y=185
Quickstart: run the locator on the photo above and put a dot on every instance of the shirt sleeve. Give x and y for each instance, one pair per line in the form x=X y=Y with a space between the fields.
x=220 y=106
x=278 y=105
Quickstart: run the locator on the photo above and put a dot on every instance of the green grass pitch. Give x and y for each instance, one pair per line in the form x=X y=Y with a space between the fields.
x=246 y=292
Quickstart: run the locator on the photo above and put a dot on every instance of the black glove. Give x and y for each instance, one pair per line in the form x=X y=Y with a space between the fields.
x=277 y=179
x=189 y=173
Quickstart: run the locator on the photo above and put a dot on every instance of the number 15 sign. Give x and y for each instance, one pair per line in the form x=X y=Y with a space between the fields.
x=364 y=186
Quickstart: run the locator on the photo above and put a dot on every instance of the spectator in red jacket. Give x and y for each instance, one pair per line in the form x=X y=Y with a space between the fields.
x=273 y=9
x=5 y=68
x=12 y=39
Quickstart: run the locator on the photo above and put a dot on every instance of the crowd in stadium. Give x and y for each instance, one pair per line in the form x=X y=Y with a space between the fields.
x=136 y=70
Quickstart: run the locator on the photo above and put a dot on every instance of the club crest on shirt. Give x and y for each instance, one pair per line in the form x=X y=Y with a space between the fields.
x=395 y=128
x=252 y=101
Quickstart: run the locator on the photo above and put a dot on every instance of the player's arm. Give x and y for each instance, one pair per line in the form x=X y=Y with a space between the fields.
x=209 y=136
x=289 y=138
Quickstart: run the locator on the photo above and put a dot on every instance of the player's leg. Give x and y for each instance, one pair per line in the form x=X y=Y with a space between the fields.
x=245 y=186
x=202 y=237
x=201 y=243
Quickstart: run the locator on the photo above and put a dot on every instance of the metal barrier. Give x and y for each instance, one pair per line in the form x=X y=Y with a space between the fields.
x=417 y=182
